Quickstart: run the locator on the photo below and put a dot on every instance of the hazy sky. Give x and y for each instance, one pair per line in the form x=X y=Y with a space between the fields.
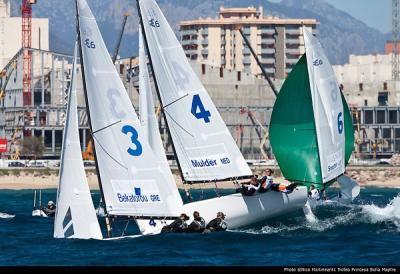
x=375 y=13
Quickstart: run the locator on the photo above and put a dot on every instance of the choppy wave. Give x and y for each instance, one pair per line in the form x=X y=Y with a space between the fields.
x=389 y=213
x=356 y=214
x=6 y=216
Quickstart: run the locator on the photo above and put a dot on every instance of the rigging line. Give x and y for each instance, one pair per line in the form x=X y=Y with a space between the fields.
x=109 y=155
x=184 y=96
x=113 y=124
x=191 y=135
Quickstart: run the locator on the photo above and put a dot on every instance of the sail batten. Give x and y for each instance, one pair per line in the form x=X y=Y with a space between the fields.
x=75 y=213
x=134 y=182
x=194 y=122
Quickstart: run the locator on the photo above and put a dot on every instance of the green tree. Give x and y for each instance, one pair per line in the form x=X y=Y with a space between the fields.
x=33 y=147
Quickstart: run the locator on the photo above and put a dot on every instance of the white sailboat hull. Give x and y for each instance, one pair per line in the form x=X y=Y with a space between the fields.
x=240 y=211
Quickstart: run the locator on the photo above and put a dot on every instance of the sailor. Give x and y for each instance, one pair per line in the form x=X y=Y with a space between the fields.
x=266 y=181
x=178 y=226
x=314 y=193
x=217 y=224
x=50 y=210
x=198 y=224
x=250 y=189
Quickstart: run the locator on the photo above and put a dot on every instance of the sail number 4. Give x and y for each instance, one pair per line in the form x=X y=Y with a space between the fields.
x=134 y=139
x=340 y=123
x=198 y=109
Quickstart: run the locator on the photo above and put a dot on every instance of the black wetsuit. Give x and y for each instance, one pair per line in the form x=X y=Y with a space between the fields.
x=177 y=226
x=198 y=225
x=50 y=212
x=217 y=225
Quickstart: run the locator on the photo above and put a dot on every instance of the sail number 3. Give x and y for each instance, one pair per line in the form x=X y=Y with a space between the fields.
x=134 y=139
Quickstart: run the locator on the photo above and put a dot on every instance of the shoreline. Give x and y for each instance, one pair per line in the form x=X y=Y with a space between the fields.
x=21 y=179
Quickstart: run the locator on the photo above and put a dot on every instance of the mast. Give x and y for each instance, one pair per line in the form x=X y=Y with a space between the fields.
x=157 y=89
x=89 y=118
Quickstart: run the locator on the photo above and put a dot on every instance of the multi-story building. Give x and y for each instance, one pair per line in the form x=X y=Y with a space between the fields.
x=216 y=41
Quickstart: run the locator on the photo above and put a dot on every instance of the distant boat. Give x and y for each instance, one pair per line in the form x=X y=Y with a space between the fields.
x=75 y=214
x=311 y=131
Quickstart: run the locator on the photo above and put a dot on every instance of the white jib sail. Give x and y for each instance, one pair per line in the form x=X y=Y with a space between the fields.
x=75 y=213
x=328 y=109
x=203 y=144
x=133 y=181
x=148 y=119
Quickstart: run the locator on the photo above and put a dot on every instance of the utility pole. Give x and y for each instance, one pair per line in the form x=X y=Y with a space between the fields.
x=395 y=38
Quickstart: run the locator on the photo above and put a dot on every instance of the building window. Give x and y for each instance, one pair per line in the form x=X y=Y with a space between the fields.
x=380 y=117
x=368 y=117
x=221 y=72
x=239 y=76
x=392 y=116
x=387 y=133
x=361 y=86
x=203 y=69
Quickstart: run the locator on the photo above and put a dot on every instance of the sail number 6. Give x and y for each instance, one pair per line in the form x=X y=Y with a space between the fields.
x=340 y=123
x=134 y=139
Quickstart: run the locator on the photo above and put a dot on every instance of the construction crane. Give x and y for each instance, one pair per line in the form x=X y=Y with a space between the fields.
x=263 y=138
x=6 y=74
x=26 y=11
x=15 y=141
x=395 y=38
x=121 y=34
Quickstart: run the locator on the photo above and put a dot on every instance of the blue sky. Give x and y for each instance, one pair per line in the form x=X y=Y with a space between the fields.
x=374 y=13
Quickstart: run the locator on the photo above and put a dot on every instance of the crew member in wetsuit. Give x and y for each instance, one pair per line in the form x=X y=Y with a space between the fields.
x=266 y=181
x=250 y=189
x=198 y=225
x=217 y=224
x=50 y=210
x=178 y=226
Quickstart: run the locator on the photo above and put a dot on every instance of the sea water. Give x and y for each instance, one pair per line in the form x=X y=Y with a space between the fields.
x=365 y=233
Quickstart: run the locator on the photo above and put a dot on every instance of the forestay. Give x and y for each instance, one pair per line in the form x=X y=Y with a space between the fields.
x=328 y=110
x=133 y=181
x=203 y=144
x=75 y=213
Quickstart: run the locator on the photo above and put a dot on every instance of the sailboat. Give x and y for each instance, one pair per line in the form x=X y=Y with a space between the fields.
x=311 y=130
x=75 y=214
x=204 y=148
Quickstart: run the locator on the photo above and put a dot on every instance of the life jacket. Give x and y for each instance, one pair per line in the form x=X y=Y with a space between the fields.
x=282 y=187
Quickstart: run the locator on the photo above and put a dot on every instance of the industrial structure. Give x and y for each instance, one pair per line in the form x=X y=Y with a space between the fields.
x=216 y=41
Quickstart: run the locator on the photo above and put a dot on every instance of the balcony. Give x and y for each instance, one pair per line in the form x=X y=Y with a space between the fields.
x=190 y=51
x=189 y=32
x=267 y=51
x=268 y=31
x=204 y=31
x=269 y=70
x=268 y=41
x=293 y=51
x=204 y=51
x=268 y=60
x=246 y=51
x=293 y=31
x=291 y=61
x=293 y=41
x=188 y=42
x=204 y=42
x=247 y=61
x=223 y=51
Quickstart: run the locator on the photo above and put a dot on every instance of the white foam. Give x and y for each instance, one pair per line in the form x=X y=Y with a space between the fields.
x=391 y=212
x=6 y=216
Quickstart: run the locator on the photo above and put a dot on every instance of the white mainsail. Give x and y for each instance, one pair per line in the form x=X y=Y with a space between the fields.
x=75 y=213
x=133 y=181
x=203 y=144
x=328 y=109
